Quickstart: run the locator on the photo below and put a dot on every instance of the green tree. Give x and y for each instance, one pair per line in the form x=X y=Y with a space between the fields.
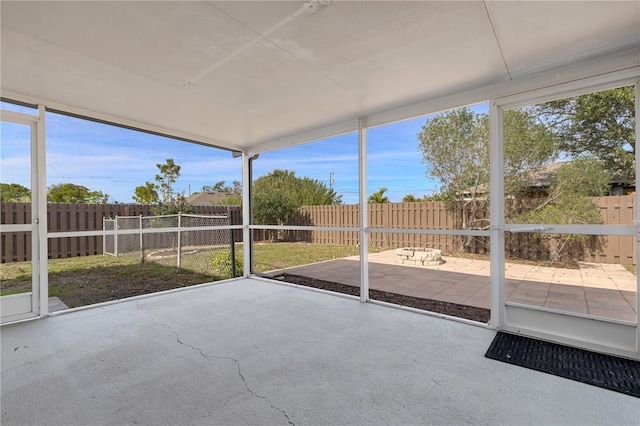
x=278 y=196
x=439 y=196
x=72 y=193
x=146 y=194
x=568 y=201
x=217 y=187
x=176 y=205
x=455 y=150
x=97 y=197
x=161 y=194
x=274 y=208
x=222 y=187
x=378 y=197
x=528 y=144
x=313 y=192
x=14 y=193
x=600 y=124
x=169 y=173
x=232 y=200
x=304 y=191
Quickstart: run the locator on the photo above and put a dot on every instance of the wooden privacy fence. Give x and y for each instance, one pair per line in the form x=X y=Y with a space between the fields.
x=615 y=210
x=16 y=246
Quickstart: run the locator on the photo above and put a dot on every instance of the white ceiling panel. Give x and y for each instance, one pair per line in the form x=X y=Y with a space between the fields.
x=72 y=79
x=167 y=41
x=390 y=53
x=277 y=89
x=540 y=34
x=258 y=77
x=242 y=74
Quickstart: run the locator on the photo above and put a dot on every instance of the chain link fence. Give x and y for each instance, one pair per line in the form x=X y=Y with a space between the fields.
x=181 y=240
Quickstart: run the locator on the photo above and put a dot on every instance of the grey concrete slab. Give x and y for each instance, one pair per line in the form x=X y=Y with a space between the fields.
x=55 y=304
x=256 y=352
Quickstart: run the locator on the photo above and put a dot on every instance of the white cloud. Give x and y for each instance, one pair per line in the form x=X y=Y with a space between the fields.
x=16 y=170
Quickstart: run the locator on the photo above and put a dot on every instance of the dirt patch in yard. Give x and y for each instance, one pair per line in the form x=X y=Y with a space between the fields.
x=91 y=288
x=105 y=283
x=452 y=309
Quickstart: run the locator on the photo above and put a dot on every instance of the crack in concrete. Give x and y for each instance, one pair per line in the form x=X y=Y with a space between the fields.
x=172 y=330
x=208 y=358
x=254 y=393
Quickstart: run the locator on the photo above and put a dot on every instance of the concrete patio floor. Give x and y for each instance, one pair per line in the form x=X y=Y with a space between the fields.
x=258 y=352
x=602 y=290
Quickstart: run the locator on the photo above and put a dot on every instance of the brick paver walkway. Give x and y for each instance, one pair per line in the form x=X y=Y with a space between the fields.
x=602 y=290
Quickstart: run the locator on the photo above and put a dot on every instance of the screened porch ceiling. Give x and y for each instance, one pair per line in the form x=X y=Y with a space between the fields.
x=252 y=75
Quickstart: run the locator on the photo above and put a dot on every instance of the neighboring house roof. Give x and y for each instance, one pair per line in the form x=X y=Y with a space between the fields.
x=206 y=198
x=543 y=177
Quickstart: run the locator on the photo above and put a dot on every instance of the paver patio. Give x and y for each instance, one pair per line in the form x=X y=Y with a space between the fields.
x=602 y=290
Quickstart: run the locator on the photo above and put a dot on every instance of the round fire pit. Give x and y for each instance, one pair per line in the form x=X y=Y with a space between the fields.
x=419 y=256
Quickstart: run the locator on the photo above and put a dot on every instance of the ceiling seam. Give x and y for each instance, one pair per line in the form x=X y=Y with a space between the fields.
x=263 y=37
x=146 y=77
x=495 y=35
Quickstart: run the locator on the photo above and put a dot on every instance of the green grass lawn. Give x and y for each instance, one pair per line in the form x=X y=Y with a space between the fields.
x=269 y=257
x=87 y=280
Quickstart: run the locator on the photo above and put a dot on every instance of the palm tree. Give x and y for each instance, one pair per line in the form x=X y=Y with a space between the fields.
x=410 y=198
x=378 y=197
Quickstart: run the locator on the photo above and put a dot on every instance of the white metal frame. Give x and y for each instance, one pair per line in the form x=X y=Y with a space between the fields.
x=363 y=222
x=34 y=303
x=637 y=207
x=599 y=73
x=496 y=215
x=605 y=335
x=623 y=64
x=601 y=334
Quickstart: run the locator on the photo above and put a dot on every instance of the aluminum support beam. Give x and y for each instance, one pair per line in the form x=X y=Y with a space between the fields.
x=246 y=214
x=637 y=206
x=496 y=212
x=364 y=242
x=40 y=190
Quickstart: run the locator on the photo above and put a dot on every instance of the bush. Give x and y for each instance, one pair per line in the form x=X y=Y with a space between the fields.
x=221 y=263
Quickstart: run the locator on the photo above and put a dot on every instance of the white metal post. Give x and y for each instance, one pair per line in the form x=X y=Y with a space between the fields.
x=179 y=240
x=41 y=192
x=637 y=207
x=496 y=211
x=246 y=215
x=36 y=305
x=115 y=236
x=141 y=242
x=364 y=244
x=104 y=237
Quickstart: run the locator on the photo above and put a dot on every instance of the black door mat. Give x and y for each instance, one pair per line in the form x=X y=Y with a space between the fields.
x=605 y=371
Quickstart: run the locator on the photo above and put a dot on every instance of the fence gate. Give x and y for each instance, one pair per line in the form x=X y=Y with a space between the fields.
x=109 y=240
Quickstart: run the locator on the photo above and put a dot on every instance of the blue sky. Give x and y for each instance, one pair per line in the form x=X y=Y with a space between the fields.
x=115 y=160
